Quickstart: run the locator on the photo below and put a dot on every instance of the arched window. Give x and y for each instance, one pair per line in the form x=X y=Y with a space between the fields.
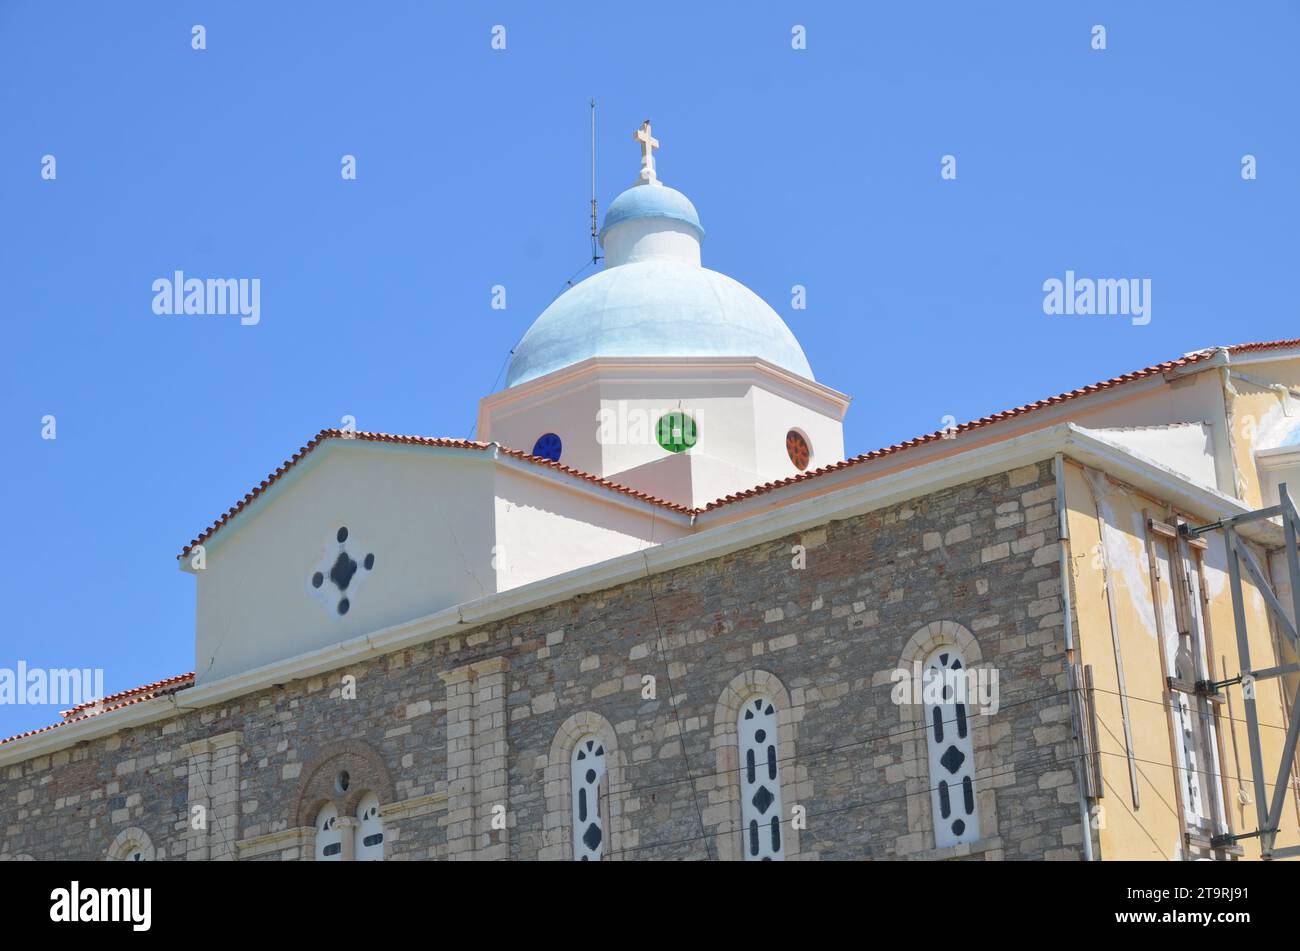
x=951 y=752
x=549 y=446
x=584 y=813
x=760 y=782
x=798 y=449
x=369 y=842
x=131 y=845
x=676 y=432
x=329 y=842
x=587 y=782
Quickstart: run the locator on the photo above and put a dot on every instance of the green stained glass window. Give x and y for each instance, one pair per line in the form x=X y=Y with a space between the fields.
x=676 y=432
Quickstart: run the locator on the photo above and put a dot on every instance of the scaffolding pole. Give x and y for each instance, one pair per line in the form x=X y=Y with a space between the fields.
x=1268 y=809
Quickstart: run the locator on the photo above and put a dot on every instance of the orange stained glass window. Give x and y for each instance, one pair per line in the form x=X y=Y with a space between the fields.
x=797 y=448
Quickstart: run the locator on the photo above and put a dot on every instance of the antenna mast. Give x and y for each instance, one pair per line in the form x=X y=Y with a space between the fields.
x=594 y=254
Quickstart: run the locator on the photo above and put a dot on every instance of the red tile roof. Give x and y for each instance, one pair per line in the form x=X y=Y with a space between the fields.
x=597 y=480
x=155 y=689
x=1159 y=368
x=171 y=685
x=324 y=434
x=116 y=701
x=432 y=441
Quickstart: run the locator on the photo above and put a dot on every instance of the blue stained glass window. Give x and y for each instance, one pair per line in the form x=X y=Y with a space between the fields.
x=548 y=446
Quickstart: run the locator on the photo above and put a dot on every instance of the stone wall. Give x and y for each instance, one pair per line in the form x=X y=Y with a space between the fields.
x=474 y=730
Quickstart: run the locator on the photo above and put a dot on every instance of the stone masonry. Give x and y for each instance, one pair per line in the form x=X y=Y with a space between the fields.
x=470 y=732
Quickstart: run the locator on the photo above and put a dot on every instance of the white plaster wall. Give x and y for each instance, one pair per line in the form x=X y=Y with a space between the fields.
x=1187 y=448
x=545 y=528
x=427 y=517
x=643 y=239
x=1275 y=475
x=688 y=478
x=774 y=416
x=742 y=421
x=570 y=413
x=1195 y=399
x=723 y=414
x=668 y=477
x=741 y=437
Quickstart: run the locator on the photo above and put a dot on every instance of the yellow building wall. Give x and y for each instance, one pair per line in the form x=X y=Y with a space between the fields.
x=1256 y=415
x=1253 y=411
x=1153 y=828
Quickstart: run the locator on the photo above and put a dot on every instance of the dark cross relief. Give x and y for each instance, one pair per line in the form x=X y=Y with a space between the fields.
x=952 y=767
x=341 y=573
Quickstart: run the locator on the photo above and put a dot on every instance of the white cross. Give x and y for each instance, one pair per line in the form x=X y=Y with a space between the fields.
x=648 y=144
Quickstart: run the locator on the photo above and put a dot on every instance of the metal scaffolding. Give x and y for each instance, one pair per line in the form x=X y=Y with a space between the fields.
x=1269 y=809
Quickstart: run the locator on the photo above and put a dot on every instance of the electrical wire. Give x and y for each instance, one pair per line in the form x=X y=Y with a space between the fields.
x=473 y=427
x=849 y=807
x=672 y=697
x=627 y=789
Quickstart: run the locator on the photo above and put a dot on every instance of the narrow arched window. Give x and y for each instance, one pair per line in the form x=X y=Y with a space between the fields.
x=951 y=752
x=131 y=845
x=760 y=782
x=369 y=841
x=131 y=851
x=329 y=842
x=587 y=780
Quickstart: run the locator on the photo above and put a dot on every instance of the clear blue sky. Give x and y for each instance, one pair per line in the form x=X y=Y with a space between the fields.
x=818 y=167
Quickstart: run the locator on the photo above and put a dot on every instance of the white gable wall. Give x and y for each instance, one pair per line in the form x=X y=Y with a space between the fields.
x=1187 y=448
x=427 y=518
x=445 y=526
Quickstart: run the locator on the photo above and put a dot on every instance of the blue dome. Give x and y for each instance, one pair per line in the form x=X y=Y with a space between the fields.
x=652 y=201
x=655 y=308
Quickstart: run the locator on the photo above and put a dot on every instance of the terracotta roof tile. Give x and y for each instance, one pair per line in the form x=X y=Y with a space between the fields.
x=117 y=701
x=171 y=685
x=1145 y=372
x=157 y=688
x=431 y=441
x=1159 y=368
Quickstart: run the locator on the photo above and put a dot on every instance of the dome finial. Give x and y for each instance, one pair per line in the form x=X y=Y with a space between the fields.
x=648 y=144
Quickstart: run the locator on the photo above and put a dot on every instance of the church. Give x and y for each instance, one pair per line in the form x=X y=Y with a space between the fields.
x=655 y=611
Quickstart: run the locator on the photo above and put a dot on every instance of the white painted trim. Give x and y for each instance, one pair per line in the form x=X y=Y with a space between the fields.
x=1279 y=457
x=1219 y=358
x=624 y=370
x=302 y=837
x=1224 y=357
x=712 y=541
x=1265 y=356
x=413 y=807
